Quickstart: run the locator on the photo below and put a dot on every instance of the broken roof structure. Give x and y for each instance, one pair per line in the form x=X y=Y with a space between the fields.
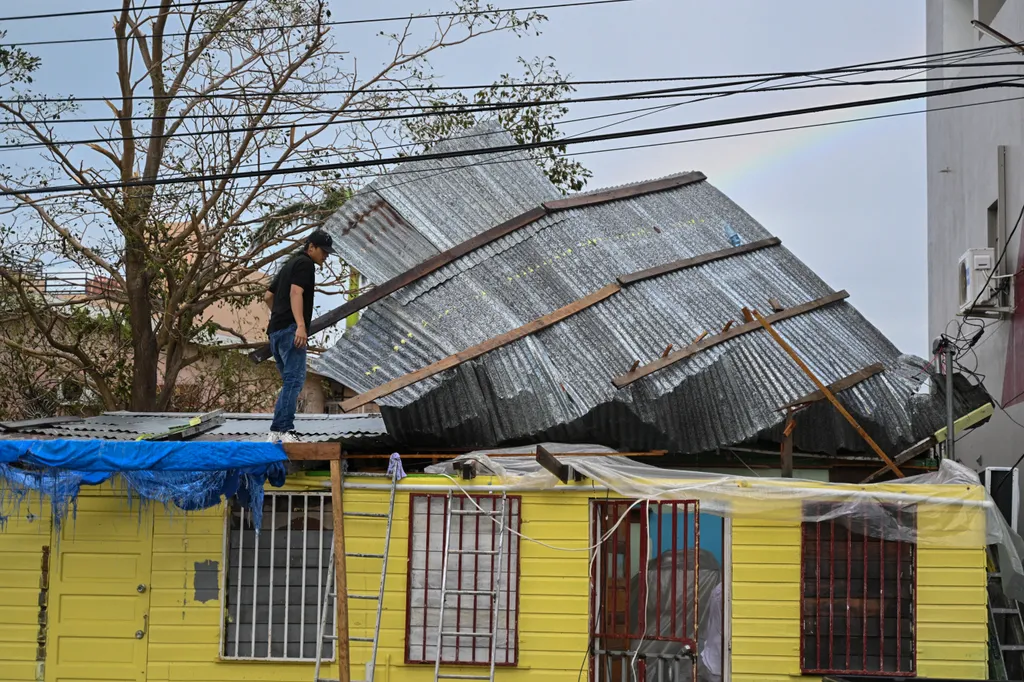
x=539 y=317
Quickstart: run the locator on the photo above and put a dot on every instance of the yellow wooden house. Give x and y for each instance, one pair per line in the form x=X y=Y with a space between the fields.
x=128 y=594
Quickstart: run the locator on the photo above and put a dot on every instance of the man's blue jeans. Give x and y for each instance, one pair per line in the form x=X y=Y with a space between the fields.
x=291 y=365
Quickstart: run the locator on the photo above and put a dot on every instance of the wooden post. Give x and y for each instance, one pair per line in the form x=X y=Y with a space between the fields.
x=889 y=464
x=787 y=446
x=340 y=578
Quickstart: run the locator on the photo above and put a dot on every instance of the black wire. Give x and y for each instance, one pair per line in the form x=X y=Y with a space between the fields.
x=453 y=110
x=540 y=144
x=349 y=22
x=421 y=177
x=739 y=79
x=430 y=109
x=81 y=13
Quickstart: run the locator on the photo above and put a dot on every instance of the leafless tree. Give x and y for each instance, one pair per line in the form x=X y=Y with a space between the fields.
x=211 y=91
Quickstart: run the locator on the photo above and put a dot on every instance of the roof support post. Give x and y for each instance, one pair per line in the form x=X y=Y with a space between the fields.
x=828 y=394
x=787 y=445
x=340 y=571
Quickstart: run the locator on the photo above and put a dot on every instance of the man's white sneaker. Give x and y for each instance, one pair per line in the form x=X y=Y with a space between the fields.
x=290 y=437
x=273 y=437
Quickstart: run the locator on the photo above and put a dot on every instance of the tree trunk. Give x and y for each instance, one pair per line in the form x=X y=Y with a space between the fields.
x=140 y=314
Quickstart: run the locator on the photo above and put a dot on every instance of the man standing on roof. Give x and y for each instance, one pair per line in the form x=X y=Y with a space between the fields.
x=290 y=299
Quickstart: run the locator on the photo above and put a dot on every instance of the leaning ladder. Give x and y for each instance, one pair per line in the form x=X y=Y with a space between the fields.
x=331 y=593
x=493 y=593
x=1005 y=626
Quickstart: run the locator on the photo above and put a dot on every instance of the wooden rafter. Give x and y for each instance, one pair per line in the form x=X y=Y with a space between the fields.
x=761 y=320
x=414 y=274
x=693 y=262
x=707 y=342
x=849 y=381
x=476 y=351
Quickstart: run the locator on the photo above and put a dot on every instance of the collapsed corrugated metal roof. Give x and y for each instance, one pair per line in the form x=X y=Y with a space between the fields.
x=313 y=428
x=556 y=384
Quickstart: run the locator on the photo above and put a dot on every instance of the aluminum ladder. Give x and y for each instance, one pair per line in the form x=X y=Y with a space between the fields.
x=331 y=593
x=1005 y=629
x=499 y=518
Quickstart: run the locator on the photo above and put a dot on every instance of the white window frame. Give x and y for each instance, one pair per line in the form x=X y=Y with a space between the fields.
x=421 y=639
x=275 y=511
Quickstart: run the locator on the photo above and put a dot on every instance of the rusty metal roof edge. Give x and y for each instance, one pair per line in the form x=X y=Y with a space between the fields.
x=629 y=191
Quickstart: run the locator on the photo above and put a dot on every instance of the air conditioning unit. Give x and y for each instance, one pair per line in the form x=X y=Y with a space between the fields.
x=1003 y=485
x=976 y=278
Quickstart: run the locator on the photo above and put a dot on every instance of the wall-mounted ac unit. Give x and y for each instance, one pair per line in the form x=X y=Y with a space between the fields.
x=977 y=283
x=1003 y=485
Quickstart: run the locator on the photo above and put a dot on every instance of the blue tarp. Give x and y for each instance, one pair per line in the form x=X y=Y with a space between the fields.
x=191 y=475
x=102 y=456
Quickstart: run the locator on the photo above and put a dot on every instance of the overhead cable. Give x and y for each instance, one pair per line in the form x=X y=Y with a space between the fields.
x=560 y=142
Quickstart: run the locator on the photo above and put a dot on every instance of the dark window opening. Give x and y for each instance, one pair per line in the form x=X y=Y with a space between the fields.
x=857 y=599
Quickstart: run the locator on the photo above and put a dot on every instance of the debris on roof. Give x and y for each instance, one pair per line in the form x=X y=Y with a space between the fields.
x=704 y=378
x=315 y=428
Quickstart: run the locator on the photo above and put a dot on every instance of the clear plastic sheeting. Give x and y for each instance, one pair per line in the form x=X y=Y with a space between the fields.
x=944 y=508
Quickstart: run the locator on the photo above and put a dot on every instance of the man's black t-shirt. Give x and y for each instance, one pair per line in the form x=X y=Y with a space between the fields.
x=299 y=270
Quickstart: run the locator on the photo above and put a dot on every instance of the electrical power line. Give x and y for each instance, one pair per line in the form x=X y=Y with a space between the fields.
x=85 y=12
x=426 y=112
x=288 y=27
x=644 y=132
x=915 y=62
x=431 y=109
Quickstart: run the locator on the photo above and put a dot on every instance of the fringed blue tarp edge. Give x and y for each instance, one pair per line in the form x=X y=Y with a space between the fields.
x=189 y=476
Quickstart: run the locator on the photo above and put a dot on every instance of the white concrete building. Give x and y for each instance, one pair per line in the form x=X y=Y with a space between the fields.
x=975 y=195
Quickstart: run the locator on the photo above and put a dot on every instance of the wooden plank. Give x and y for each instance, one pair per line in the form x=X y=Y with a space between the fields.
x=637 y=190
x=683 y=353
x=787 y=446
x=849 y=381
x=317 y=452
x=340 y=575
x=910 y=453
x=548 y=461
x=828 y=394
x=693 y=262
x=481 y=348
x=333 y=317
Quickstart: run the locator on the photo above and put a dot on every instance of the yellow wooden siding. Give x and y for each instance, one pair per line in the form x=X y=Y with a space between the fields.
x=951 y=608
x=184 y=635
x=21 y=552
x=553 y=605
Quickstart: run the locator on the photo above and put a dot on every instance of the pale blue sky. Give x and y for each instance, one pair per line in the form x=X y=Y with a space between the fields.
x=849 y=200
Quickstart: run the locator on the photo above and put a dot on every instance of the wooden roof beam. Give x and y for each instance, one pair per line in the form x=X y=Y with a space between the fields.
x=624 y=380
x=849 y=381
x=693 y=262
x=479 y=349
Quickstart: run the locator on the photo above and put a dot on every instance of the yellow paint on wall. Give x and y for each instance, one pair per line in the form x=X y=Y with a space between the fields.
x=951 y=607
x=183 y=636
x=22 y=540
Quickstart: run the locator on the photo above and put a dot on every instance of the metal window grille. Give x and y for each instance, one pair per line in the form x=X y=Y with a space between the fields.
x=465 y=572
x=275 y=581
x=857 y=599
x=644 y=612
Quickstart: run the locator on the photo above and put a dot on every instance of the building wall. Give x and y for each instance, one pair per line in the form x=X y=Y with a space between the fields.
x=22 y=538
x=962 y=185
x=951 y=609
x=186 y=567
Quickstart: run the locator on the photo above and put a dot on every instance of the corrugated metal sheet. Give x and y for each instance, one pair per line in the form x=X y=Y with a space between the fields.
x=556 y=384
x=237 y=427
x=375 y=229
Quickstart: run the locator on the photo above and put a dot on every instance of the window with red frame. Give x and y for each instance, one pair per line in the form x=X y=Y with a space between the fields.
x=470 y=568
x=651 y=589
x=857 y=598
